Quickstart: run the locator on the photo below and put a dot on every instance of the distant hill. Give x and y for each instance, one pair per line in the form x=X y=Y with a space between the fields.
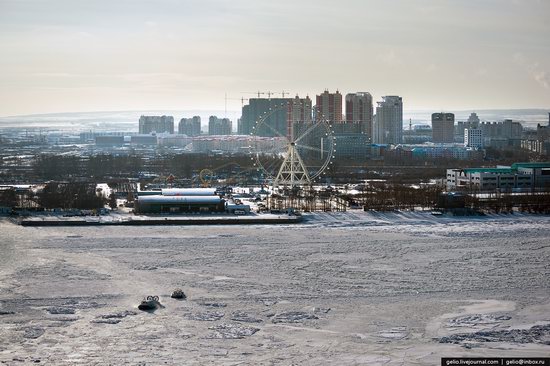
x=106 y=120
x=128 y=120
x=528 y=117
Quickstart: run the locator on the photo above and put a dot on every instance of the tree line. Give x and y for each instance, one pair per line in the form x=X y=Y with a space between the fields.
x=71 y=167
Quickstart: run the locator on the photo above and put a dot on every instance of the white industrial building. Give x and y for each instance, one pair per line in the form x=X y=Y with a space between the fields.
x=518 y=176
x=186 y=201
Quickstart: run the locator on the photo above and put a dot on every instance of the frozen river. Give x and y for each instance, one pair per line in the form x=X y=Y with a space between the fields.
x=339 y=289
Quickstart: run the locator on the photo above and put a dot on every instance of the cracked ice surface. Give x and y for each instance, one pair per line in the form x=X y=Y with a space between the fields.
x=340 y=289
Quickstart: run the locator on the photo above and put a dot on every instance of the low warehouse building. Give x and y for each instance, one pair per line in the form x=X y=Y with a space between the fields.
x=179 y=204
x=238 y=209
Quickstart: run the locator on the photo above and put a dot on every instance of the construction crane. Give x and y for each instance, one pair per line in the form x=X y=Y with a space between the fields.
x=268 y=93
x=242 y=99
x=258 y=93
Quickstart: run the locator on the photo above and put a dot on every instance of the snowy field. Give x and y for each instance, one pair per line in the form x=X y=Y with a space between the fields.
x=349 y=288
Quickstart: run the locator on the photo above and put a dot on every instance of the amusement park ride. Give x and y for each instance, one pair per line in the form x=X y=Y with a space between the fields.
x=306 y=147
x=291 y=146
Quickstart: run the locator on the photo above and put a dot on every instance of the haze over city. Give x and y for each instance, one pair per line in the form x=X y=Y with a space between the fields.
x=291 y=182
x=77 y=56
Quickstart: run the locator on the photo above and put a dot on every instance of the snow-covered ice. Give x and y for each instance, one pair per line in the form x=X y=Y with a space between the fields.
x=404 y=288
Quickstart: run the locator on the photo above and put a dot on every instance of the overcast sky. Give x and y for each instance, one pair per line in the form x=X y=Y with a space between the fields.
x=97 y=55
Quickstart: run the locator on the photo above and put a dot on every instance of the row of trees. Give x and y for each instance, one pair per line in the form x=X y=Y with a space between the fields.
x=70 y=196
x=187 y=166
x=63 y=167
x=389 y=197
x=532 y=202
x=379 y=197
x=75 y=195
x=8 y=197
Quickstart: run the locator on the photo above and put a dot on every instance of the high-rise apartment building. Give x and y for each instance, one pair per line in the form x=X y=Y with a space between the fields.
x=329 y=106
x=272 y=109
x=277 y=114
x=359 y=111
x=157 y=124
x=388 y=122
x=190 y=126
x=299 y=116
x=299 y=109
x=443 y=127
x=219 y=126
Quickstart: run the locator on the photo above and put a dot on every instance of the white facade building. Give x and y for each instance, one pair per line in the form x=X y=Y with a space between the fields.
x=518 y=176
x=488 y=179
x=473 y=137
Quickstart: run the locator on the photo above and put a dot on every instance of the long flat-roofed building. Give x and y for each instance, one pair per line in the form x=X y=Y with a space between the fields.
x=523 y=176
x=178 y=204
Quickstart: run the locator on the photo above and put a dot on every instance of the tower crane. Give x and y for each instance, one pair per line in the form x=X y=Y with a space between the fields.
x=268 y=93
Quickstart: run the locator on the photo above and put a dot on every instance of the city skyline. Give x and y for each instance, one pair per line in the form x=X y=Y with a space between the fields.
x=71 y=56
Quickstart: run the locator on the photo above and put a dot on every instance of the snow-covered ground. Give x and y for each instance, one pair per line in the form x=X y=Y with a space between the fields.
x=340 y=289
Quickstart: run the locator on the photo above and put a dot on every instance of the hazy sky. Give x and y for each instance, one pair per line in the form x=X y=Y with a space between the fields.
x=90 y=55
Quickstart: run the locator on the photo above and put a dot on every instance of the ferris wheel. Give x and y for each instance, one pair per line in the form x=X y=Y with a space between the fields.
x=291 y=146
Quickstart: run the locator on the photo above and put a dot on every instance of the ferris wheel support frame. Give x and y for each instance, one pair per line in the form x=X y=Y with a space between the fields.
x=293 y=170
